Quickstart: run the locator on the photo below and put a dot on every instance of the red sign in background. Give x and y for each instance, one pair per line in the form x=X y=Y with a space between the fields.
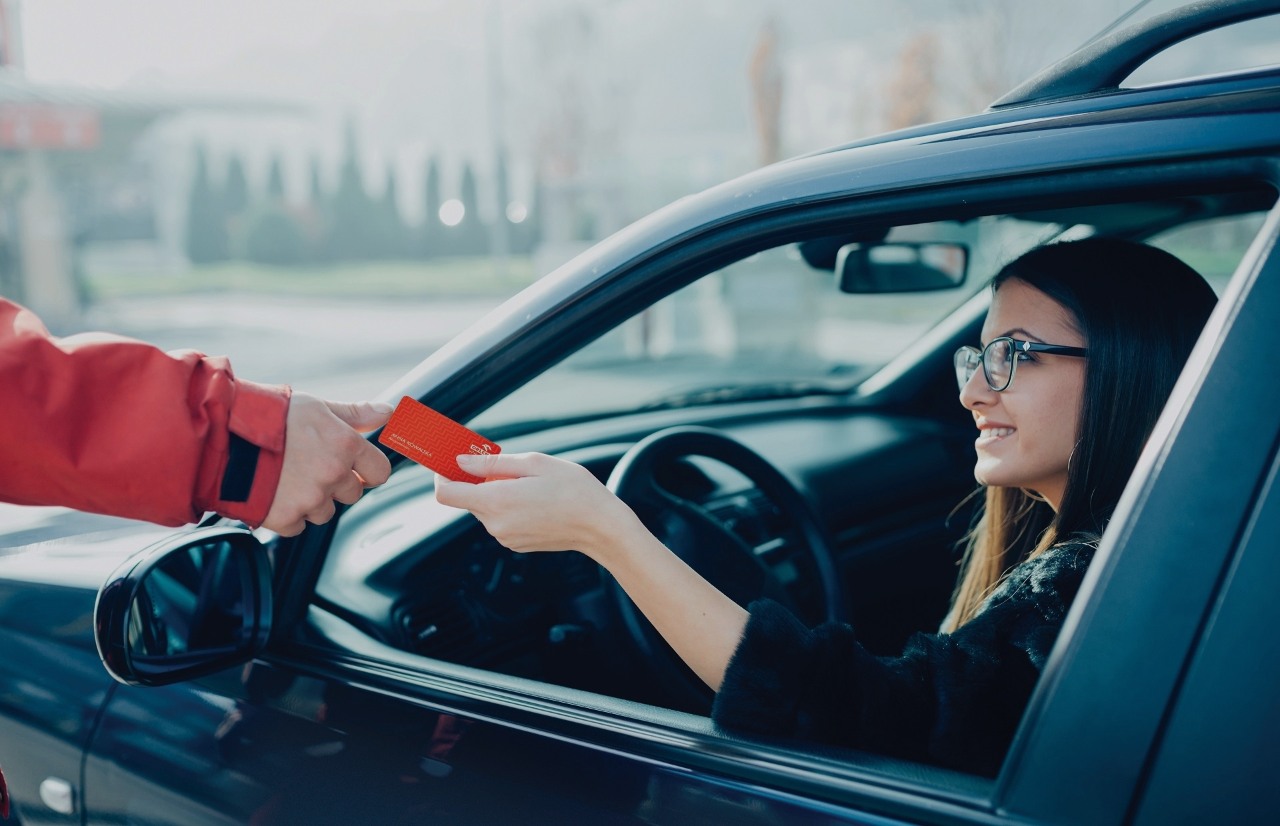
x=48 y=126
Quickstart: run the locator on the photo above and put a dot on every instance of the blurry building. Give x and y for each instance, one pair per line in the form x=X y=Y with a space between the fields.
x=68 y=175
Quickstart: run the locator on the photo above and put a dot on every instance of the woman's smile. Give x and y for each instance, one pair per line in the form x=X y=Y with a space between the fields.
x=1027 y=431
x=990 y=434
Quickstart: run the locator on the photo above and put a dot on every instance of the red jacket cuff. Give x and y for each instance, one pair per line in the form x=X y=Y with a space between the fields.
x=258 y=416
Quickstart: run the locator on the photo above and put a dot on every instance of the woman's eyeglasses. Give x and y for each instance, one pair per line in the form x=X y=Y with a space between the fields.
x=1000 y=358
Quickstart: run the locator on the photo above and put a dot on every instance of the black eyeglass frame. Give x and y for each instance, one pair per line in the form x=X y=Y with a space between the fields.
x=963 y=374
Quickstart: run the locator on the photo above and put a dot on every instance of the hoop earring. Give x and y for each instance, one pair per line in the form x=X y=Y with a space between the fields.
x=1071 y=456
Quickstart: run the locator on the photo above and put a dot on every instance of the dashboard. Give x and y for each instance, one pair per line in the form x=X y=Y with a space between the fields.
x=430 y=580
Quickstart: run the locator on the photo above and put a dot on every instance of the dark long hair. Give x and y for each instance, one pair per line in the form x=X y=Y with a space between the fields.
x=1140 y=311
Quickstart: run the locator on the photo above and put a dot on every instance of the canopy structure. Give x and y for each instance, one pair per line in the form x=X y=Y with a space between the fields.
x=54 y=139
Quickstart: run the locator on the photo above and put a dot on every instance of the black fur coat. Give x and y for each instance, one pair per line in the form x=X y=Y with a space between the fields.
x=949 y=699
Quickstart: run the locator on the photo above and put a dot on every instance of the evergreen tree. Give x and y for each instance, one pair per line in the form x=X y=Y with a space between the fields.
x=501 y=242
x=430 y=238
x=235 y=193
x=352 y=214
x=316 y=193
x=275 y=180
x=235 y=204
x=272 y=236
x=391 y=226
x=206 y=219
x=317 y=216
x=528 y=232
x=471 y=232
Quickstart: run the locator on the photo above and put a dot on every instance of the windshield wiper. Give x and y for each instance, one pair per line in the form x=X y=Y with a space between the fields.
x=728 y=393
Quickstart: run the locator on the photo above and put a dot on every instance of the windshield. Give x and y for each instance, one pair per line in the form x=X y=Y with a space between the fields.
x=776 y=324
x=769 y=325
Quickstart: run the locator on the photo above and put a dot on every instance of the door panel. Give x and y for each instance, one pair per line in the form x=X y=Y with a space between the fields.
x=272 y=747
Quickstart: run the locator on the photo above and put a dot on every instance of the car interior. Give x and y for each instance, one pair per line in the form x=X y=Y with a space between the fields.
x=784 y=417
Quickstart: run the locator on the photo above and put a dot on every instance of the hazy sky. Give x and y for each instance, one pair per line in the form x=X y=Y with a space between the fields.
x=115 y=42
x=655 y=89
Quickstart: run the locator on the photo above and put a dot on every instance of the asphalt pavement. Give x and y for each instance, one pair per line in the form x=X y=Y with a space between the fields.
x=339 y=349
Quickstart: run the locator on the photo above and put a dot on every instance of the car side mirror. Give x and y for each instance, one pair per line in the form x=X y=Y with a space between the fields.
x=901 y=267
x=188 y=606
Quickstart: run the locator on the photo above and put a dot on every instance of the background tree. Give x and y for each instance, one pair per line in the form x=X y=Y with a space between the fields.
x=913 y=89
x=765 y=72
x=272 y=232
x=315 y=187
x=391 y=230
x=272 y=236
x=472 y=235
x=235 y=193
x=206 y=240
x=430 y=235
x=235 y=203
x=351 y=212
x=275 y=180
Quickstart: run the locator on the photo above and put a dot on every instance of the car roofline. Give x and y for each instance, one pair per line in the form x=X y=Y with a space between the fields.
x=1104 y=63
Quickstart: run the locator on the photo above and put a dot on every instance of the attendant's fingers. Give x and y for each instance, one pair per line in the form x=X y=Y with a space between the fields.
x=292 y=529
x=362 y=416
x=349 y=490
x=371 y=465
x=321 y=514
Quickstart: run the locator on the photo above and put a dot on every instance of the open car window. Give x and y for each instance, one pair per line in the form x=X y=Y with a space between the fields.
x=774 y=324
x=890 y=484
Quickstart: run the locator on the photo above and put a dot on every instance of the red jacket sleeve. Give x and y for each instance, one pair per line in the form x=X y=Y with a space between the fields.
x=117 y=426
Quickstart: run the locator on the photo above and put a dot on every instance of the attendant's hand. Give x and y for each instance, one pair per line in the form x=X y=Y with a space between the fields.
x=535 y=502
x=326 y=459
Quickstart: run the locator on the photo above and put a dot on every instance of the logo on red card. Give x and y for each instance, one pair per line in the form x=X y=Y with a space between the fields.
x=433 y=439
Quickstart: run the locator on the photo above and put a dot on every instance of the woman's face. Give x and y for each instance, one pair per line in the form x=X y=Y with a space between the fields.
x=1027 y=432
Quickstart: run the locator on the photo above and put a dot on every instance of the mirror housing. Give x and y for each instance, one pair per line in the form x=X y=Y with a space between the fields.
x=901 y=267
x=187 y=606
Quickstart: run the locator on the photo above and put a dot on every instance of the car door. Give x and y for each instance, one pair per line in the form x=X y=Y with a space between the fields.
x=275 y=745
x=336 y=725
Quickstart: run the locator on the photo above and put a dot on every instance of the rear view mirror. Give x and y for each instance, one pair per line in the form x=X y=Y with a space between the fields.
x=901 y=267
x=186 y=607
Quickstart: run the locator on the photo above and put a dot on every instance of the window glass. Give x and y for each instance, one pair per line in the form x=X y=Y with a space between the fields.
x=1249 y=45
x=761 y=325
x=1213 y=247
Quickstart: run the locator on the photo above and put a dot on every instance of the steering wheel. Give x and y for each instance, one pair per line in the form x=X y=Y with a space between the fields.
x=795 y=556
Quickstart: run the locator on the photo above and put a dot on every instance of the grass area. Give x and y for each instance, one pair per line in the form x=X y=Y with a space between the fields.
x=471 y=276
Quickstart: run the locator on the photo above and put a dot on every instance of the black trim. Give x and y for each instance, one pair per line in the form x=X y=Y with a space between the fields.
x=242 y=465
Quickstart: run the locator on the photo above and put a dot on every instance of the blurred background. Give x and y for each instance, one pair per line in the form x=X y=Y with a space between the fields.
x=327 y=191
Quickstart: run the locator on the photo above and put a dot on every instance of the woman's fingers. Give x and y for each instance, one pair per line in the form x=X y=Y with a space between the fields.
x=531 y=502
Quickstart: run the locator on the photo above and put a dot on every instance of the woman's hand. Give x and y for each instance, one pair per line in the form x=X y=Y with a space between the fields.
x=534 y=502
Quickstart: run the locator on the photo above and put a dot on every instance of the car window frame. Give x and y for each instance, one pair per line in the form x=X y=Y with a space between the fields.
x=1226 y=705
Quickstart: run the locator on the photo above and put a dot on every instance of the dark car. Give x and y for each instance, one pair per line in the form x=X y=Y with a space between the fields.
x=778 y=351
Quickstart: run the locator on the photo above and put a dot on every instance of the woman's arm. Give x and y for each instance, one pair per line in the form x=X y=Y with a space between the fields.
x=534 y=502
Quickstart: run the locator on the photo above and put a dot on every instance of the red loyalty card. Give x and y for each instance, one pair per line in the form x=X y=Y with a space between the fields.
x=433 y=439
